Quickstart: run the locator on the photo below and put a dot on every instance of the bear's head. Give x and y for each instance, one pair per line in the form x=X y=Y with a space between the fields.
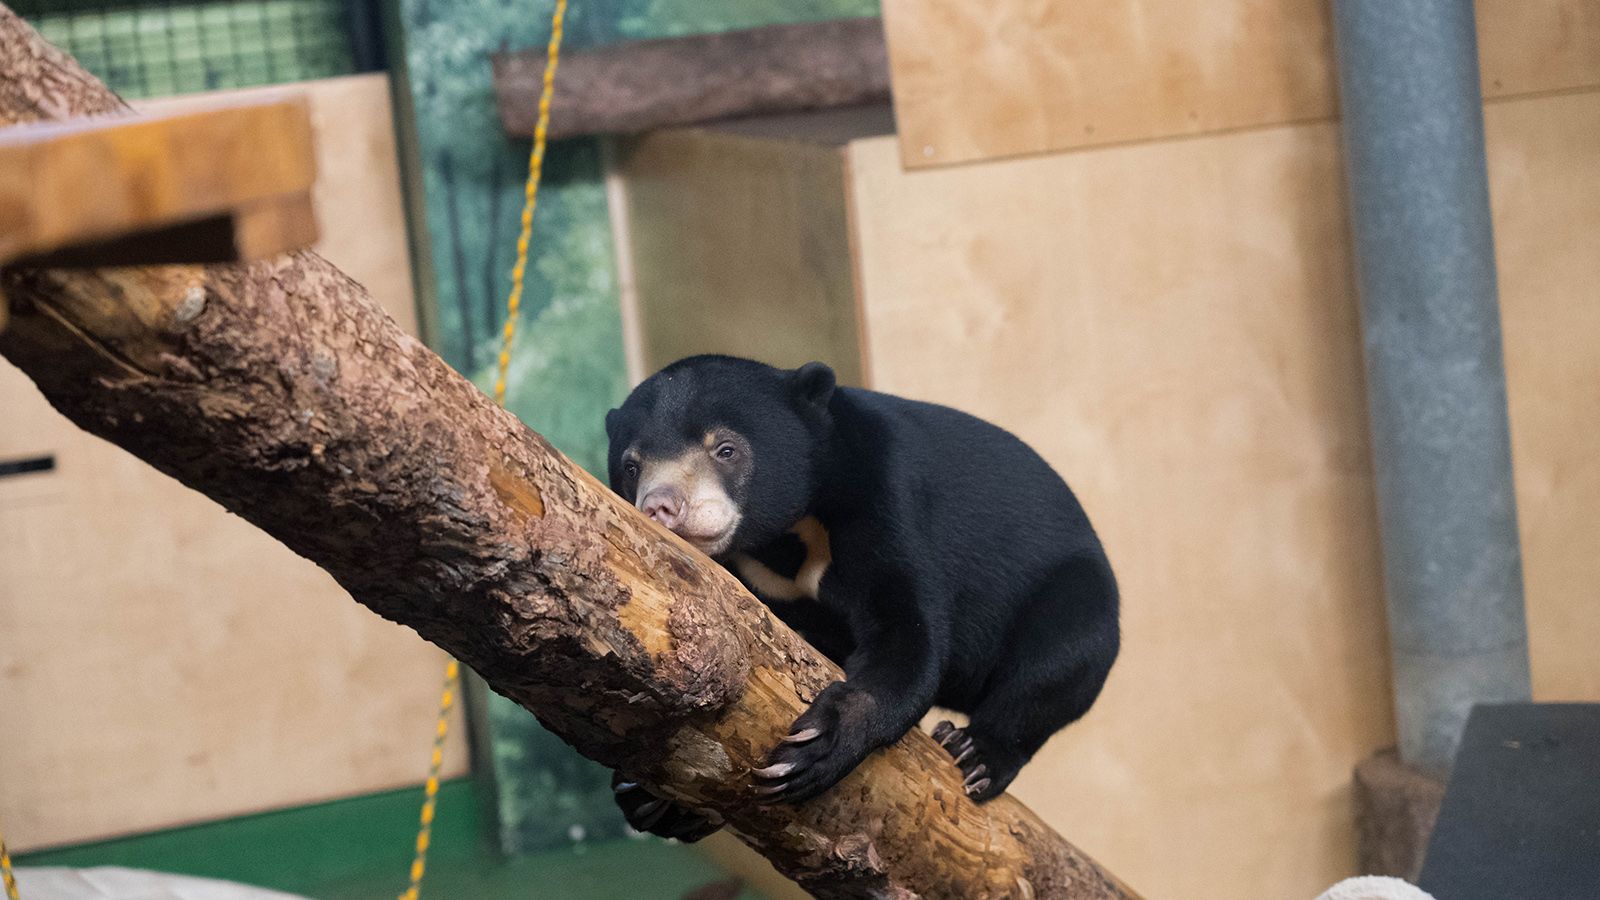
x=722 y=451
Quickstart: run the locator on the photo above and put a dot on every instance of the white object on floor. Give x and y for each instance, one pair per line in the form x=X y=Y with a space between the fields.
x=1375 y=887
x=107 y=882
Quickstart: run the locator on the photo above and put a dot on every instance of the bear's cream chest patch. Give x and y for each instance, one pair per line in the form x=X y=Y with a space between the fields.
x=806 y=582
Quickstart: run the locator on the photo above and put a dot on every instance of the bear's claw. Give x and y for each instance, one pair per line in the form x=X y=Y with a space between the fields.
x=977 y=777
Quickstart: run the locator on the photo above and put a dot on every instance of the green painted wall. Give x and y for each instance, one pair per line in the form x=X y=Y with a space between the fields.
x=567 y=369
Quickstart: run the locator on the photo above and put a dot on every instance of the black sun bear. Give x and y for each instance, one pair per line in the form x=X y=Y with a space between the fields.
x=935 y=557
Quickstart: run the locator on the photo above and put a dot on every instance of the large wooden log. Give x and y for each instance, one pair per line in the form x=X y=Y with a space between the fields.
x=282 y=391
x=639 y=85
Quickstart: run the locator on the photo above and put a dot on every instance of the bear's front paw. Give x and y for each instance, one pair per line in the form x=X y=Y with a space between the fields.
x=648 y=813
x=819 y=750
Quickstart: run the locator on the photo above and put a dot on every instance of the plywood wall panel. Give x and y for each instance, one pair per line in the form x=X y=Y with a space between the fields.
x=739 y=245
x=1010 y=77
x=1174 y=326
x=1544 y=181
x=163 y=662
x=357 y=194
x=1537 y=46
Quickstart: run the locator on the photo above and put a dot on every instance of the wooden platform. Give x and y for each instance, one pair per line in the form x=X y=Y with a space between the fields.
x=221 y=184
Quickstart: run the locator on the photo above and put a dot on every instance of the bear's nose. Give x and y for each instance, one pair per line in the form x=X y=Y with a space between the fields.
x=664 y=505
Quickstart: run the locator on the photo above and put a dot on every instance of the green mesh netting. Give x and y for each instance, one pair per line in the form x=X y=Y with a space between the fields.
x=151 y=49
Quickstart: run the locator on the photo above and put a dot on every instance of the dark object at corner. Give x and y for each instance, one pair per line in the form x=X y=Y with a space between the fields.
x=1521 y=817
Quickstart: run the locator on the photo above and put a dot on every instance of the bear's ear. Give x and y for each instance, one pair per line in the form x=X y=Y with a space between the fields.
x=813 y=383
x=613 y=422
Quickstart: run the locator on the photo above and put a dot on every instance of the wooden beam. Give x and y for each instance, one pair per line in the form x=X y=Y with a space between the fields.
x=636 y=86
x=211 y=185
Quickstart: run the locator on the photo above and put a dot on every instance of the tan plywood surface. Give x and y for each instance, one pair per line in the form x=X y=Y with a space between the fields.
x=1010 y=77
x=739 y=245
x=357 y=191
x=1544 y=180
x=1534 y=46
x=161 y=661
x=1173 y=325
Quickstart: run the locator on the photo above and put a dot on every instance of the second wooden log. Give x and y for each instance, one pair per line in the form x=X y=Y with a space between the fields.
x=636 y=86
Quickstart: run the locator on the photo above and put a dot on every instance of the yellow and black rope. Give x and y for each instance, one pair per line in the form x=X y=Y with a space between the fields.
x=5 y=871
x=530 y=202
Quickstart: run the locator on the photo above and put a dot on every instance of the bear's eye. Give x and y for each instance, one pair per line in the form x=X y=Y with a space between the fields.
x=725 y=451
x=631 y=469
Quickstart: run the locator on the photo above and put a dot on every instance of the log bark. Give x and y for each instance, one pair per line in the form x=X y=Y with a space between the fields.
x=639 y=85
x=282 y=391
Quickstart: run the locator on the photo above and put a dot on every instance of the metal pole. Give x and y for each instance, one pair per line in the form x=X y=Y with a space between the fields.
x=1413 y=130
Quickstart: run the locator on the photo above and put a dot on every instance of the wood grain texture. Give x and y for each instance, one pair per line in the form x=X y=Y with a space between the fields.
x=1014 y=77
x=289 y=397
x=1173 y=325
x=1538 y=46
x=1544 y=185
x=740 y=245
x=230 y=676
x=635 y=86
x=104 y=182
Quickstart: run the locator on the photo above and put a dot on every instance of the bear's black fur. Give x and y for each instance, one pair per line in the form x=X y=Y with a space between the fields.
x=964 y=573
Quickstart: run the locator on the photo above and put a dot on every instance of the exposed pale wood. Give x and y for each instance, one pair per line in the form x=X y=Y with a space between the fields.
x=1012 y=77
x=231 y=179
x=635 y=86
x=232 y=676
x=622 y=254
x=289 y=397
x=1174 y=326
x=1544 y=183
